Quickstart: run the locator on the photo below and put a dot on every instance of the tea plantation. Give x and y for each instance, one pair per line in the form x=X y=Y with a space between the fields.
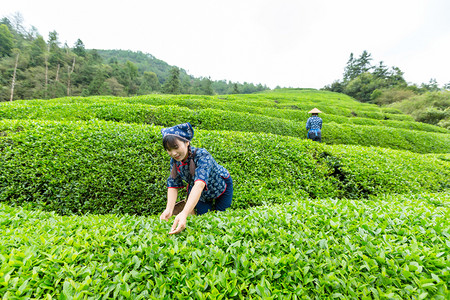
x=363 y=215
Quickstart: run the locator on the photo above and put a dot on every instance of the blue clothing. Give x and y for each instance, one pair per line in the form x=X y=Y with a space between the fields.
x=314 y=123
x=221 y=203
x=314 y=126
x=207 y=170
x=184 y=131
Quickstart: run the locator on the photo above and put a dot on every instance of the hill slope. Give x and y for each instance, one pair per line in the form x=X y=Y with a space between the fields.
x=78 y=159
x=346 y=121
x=329 y=221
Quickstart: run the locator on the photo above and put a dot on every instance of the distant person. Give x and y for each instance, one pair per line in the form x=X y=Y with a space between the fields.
x=209 y=185
x=314 y=125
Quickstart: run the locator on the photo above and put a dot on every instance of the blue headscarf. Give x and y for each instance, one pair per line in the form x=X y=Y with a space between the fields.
x=184 y=131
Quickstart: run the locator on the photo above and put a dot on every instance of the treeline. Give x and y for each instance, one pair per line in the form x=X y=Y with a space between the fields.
x=31 y=68
x=386 y=86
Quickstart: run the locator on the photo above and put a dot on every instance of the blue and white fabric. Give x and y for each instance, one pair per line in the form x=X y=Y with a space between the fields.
x=314 y=123
x=184 y=131
x=207 y=170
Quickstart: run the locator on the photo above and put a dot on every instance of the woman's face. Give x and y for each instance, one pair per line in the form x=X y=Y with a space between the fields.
x=180 y=150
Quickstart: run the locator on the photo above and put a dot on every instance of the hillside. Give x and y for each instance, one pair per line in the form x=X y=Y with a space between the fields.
x=46 y=69
x=144 y=62
x=281 y=112
x=362 y=215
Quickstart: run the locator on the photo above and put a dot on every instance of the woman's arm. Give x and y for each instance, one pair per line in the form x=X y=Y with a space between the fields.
x=180 y=221
x=172 y=195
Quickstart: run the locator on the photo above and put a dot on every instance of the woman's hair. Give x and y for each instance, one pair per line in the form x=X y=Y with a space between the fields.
x=170 y=142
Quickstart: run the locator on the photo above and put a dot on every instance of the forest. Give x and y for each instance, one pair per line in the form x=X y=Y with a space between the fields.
x=31 y=68
x=386 y=87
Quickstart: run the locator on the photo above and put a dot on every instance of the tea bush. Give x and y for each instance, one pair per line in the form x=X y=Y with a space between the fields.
x=213 y=119
x=294 y=102
x=328 y=223
x=391 y=247
x=100 y=167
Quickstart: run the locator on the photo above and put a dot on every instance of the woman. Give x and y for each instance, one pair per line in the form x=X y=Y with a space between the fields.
x=209 y=185
x=314 y=125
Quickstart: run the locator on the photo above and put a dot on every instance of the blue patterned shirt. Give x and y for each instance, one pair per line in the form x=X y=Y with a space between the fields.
x=207 y=170
x=314 y=123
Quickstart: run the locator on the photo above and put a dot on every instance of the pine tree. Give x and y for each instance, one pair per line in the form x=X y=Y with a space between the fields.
x=173 y=84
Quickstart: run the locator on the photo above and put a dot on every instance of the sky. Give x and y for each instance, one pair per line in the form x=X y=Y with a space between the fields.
x=286 y=43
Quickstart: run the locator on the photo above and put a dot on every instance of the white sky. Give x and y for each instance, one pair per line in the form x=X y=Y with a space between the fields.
x=290 y=43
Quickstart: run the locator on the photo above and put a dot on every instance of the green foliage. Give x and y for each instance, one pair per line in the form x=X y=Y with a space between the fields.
x=392 y=95
x=357 y=67
x=77 y=167
x=329 y=223
x=275 y=113
x=392 y=247
x=79 y=48
x=432 y=108
x=173 y=84
x=6 y=41
x=363 y=81
x=149 y=84
x=44 y=69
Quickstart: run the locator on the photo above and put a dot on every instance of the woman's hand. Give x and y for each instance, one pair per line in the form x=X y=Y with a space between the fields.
x=166 y=214
x=181 y=219
x=179 y=224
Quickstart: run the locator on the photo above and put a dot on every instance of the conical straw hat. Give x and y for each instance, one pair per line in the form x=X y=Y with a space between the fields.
x=314 y=111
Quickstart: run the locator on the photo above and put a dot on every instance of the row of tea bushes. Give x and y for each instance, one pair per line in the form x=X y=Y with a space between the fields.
x=323 y=99
x=393 y=247
x=298 y=103
x=401 y=139
x=66 y=108
x=213 y=119
x=101 y=167
x=295 y=109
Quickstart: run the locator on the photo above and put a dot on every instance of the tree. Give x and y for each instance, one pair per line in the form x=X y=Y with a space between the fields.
x=431 y=86
x=17 y=23
x=356 y=67
x=98 y=85
x=6 y=41
x=149 y=83
x=115 y=88
x=337 y=86
x=206 y=85
x=132 y=73
x=13 y=82
x=172 y=85
x=38 y=51
x=235 y=89
x=365 y=82
x=69 y=73
x=79 y=48
x=53 y=40
x=381 y=71
x=7 y=22
x=362 y=87
x=363 y=62
x=395 y=77
x=349 y=70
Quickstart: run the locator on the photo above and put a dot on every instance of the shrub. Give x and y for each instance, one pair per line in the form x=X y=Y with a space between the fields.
x=389 y=247
x=100 y=167
x=389 y=96
x=378 y=135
